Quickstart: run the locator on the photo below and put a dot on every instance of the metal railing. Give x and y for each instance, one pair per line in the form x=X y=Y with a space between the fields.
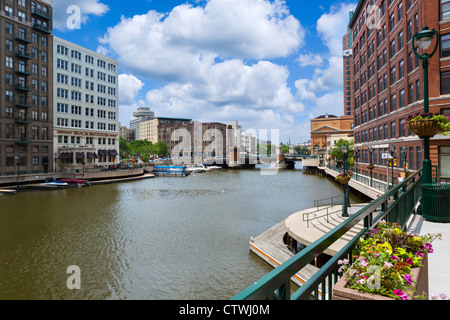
x=396 y=205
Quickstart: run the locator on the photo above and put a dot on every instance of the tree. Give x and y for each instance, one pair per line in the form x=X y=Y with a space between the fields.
x=335 y=151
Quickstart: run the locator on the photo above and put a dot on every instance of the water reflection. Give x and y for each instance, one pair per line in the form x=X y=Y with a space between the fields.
x=163 y=238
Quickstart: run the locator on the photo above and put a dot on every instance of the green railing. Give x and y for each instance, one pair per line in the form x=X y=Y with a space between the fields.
x=396 y=205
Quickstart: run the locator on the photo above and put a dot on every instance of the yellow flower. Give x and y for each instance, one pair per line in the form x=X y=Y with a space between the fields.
x=384 y=247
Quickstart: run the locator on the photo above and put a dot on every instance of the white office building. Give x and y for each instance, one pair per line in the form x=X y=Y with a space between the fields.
x=86 y=108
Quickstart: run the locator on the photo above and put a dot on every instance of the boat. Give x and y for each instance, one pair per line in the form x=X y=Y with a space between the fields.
x=196 y=169
x=76 y=180
x=50 y=181
x=171 y=171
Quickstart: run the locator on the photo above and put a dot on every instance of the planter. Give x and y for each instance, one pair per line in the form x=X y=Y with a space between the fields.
x=344 y=180
x=424 y=127
x=419 y=276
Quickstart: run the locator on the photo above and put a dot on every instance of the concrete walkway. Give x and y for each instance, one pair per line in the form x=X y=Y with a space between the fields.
x=271 y=248
x=439 y=260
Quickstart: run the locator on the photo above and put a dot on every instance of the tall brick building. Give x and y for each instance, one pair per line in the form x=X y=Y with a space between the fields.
x=26 y=77
x=388 y=81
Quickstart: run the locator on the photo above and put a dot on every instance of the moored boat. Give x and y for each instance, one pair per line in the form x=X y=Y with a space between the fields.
x=76 y=180
x=173 y=171
x=50 y=181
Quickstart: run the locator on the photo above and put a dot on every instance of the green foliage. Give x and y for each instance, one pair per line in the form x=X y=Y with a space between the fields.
x=385 y=260
x=335 y=151
x=141 y=148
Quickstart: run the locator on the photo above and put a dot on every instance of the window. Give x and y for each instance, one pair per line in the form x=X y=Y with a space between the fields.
x=419 y=158
x=400 y=40
x=9 y=62
x=445 y=45
x=392 y=49
x=401 y=129
x=411 y=158
x=391 y=21
x=393 y=129
x=401 y=98
x=417 y=90
x=8 y=11
x=393 y=102
x=445 y=9
x=393 y=79
x=410 y=93
x=401 y=69
x=445 y=82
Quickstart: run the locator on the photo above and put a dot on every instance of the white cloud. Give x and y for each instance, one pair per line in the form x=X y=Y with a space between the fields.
x=129 y=87
x=87 y=8
x=324 y=87
x=183 y=44
x=309 y=59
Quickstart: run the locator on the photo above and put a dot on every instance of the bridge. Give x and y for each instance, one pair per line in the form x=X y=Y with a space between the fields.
x=398 y=204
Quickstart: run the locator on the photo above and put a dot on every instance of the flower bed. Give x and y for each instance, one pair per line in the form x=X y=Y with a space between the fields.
x=391 y=264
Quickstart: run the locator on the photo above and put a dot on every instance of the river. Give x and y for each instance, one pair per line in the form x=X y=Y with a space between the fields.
x=160 y=238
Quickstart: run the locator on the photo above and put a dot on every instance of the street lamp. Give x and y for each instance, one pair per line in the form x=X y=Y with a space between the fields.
x=392 y=151
x=371 y=163
x=344 y=152
x=425 y=37
x=405 y=152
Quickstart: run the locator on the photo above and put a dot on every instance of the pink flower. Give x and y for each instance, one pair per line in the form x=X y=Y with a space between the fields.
x=400 y=294
x=409 y=261
x=407 y=279
x=363 y=264
x=419 y=254
x=387 y=264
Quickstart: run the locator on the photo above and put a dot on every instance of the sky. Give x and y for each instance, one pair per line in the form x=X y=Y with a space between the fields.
x=272 y=65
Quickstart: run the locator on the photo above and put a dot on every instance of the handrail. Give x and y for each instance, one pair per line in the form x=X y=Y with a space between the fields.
x=396 y=205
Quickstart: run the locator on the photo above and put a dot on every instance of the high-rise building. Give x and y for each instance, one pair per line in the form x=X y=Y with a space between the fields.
x=388 y=82
x=26 y=97
x=348 y=83
x=86 y=115
x=141 y=114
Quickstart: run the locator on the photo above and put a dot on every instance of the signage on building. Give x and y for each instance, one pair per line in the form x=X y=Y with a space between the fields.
x=84 y=133
x=386 y=156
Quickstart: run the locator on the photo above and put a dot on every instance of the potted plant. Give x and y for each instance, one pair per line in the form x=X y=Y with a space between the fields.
x=390 y=264
x=344 y=177
x=428 y=124
x=370 y=166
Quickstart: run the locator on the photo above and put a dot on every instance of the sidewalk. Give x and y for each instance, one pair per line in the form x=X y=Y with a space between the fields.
x=439 y=260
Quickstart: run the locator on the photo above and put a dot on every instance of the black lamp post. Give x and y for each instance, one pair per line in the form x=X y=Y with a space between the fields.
x=371 y=164
x=425 y=37
x=392 y=151
x=344 y=152
x=405 y=152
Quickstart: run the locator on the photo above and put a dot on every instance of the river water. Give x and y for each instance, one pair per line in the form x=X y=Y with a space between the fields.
x=160 y=238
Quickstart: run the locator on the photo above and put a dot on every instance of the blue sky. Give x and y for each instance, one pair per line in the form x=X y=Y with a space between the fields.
x=270 y=64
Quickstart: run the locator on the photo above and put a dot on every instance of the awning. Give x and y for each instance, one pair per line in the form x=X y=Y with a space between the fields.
x=90 y=155
x=66 y=155
x=80 y=155
x=103 y=152
x=112 y=152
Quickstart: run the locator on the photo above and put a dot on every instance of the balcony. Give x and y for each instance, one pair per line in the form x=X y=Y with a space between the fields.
x=22 y=87
x=23 y=104
x=23 y=139
x=41 y=14
x=23 y=120
x=23 y=71
x=22 y=38
x=23 y=54
x=40 y=27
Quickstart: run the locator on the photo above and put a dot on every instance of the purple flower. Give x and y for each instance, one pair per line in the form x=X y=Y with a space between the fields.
x=407 y=279
x=409 y=261
x=419 y=254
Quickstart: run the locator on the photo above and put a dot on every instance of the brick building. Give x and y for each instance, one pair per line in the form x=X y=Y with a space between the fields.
x=324 y=126
x=26 y=96
x=388 y=81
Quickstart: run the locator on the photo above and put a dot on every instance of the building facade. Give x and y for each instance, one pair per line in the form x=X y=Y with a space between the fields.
x=388 y=82
x=324 y=126
x=349 y=98
x=86 y=108
x=26 y=99
x=186 y=138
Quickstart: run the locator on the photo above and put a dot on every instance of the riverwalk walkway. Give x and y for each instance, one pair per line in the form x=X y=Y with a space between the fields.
x=271 y=247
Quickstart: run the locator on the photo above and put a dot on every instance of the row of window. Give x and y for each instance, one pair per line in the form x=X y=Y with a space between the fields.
x=75 y=54
x=87 y=140
x=76 y=68
x=412 y=158
x=89 y=85
x=75 y=123
x=20 y=132
x=22 y=34
x=34 y=99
